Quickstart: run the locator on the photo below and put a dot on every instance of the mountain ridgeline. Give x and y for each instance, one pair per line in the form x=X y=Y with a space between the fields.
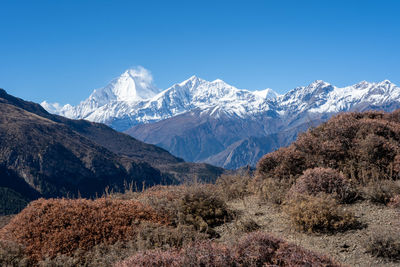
x=45 y=155
x=216 y=123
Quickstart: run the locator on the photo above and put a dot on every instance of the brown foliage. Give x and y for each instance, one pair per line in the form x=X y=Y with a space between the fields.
x=381 y=191
x=164 y=200
x=284 y=163
x=12 y=254
x=50 y=227
x=362 y=146
x=272 y=190
x=253 y=250
x=384 y=244
x=324 y=180
x=248 y=226
x=233 y=186
x=150 y=236
x=201 y=207
x=319 y=214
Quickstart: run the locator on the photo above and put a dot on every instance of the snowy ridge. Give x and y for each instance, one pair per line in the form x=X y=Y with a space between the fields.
x=133 y=99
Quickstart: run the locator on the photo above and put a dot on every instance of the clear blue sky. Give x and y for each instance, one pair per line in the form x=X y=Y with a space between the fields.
x=62 y=50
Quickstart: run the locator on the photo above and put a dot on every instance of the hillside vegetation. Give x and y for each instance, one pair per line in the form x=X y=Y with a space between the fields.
x=329 y=199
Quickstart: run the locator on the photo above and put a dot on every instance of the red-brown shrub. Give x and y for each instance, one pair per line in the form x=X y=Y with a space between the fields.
x=253 y=250
x=256 y=249
x=362 y=146
x=291 y=255
x=282 y=164
x=49 y=227
x=154 y=258
x=324 y=180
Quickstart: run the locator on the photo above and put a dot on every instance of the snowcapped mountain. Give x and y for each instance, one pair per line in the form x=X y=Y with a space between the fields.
x=132 y=99
x=266 y=93
x=214 y=122
x=322 y=97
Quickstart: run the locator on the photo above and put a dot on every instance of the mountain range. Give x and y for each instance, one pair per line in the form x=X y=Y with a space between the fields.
x=46 y=155
x=217 y=123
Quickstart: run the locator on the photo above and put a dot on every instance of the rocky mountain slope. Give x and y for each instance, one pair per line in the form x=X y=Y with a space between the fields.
x=45 y=155
x=205 y=121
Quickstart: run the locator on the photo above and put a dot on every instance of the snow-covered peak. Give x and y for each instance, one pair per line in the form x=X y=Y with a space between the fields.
x=133 y=85
x=132 y=98
x=318 y=83
x=51 y=107
x=266 y=93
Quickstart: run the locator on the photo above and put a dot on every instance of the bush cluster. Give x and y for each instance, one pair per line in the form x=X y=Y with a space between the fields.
x=151 y=236
x=61 y=226
x=201 y=206
x=362 y=146
x=255 y=249
x=319 y=214
x=203 y=209
x=324 y=180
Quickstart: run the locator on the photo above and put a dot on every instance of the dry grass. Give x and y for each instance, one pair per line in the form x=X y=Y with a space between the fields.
x=381 y=191
x=272 y=190
x=12 y=254
x=384 y=244
x=234 y=186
